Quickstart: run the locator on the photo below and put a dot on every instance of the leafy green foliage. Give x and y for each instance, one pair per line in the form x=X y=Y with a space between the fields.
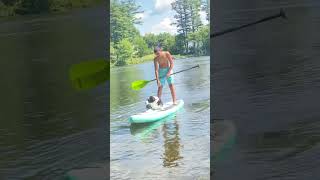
x=151 y=40
x=141 y=46
x=113 y=56
x=124 y=52
x=123 y=19
x=200 y=39
x=21 y=7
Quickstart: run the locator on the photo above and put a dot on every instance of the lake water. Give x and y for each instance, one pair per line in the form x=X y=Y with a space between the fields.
x=266 y=84
x=47 y=129
x=177 y=147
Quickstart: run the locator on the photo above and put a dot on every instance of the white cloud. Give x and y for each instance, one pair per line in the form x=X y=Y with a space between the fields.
x=164 y=26
x=163 y=5
x=203 y=17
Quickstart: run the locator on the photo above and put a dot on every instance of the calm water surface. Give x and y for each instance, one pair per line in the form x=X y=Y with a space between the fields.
x=177 y=147
x=266 y=84
x=47 y=129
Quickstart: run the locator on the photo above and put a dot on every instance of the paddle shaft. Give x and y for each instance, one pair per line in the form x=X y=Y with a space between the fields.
x=178 y=72
x=281 y=14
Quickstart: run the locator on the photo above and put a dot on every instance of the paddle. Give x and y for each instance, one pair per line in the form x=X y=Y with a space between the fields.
x=137 y=85
x=281 y=14
x=89 y=74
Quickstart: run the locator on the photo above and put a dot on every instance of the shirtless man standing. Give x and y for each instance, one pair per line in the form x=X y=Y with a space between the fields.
x=163 y=65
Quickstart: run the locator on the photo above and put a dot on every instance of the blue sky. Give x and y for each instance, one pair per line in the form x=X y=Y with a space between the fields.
x=158 y=16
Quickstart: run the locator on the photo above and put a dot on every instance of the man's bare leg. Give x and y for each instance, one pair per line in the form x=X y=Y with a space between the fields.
x=160 y=93
x=173 y=93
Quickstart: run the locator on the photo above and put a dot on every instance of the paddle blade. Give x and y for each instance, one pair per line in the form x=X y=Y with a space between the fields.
x=89 y=74
x=137 y=85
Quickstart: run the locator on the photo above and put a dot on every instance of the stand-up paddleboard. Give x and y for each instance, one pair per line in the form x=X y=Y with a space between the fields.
x=155 y=115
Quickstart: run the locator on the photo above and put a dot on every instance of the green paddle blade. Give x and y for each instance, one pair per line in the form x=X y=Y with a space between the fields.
x=89 y=74
x=137 y=85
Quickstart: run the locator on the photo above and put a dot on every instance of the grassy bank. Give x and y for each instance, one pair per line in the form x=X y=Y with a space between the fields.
x=147 y=58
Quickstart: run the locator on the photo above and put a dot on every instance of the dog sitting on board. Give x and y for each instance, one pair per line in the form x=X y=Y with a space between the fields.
x=154 y=103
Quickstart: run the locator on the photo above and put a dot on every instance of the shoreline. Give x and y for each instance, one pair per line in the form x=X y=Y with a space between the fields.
x=148 y=58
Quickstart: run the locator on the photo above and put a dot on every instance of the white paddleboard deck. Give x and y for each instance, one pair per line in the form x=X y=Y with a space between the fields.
x=154 y=115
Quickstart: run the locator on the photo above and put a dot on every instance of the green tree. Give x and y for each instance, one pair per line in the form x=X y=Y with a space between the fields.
x=122 y=20
x=124 y=52
x=141 y=46
x=151 y=40
x=187 y=19
x=201 y=39
x=183 y=20
x=206 y=8
x=194 y=8
x=179 y=44
x=167 y=41
x=113 y=56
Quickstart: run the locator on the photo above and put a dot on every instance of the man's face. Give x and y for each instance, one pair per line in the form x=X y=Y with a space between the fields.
x=157 y=53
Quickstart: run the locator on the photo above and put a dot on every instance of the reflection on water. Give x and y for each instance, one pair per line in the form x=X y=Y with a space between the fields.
x=224 y=138
x=170 y=132
x=171 y=144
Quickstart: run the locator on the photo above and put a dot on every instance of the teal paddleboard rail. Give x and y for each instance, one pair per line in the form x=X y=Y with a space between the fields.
x=155 y=115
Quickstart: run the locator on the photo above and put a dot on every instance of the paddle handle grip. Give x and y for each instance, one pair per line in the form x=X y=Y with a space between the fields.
x=281 y=14
x=178 y=72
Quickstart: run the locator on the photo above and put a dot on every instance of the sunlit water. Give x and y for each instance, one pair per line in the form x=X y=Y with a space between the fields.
x=47 y=129
x=266 y=85
x=177 y=147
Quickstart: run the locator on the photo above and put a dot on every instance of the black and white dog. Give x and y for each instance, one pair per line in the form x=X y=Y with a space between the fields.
x=153 y=102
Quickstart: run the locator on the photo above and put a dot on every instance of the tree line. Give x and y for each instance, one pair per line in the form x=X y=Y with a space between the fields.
x=127 y=44
x=22 y=7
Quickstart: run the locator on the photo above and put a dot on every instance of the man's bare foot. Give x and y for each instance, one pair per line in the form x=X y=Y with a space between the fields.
x=175 y=103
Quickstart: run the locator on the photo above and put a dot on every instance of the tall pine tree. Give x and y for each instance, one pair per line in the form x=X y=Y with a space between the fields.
x=187 y=18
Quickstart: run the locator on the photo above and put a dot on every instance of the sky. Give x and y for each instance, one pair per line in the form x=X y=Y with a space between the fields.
x=158 y=16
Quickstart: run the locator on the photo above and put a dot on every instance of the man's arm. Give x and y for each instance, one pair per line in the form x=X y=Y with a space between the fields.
x=156 y=69
x=171 y=63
